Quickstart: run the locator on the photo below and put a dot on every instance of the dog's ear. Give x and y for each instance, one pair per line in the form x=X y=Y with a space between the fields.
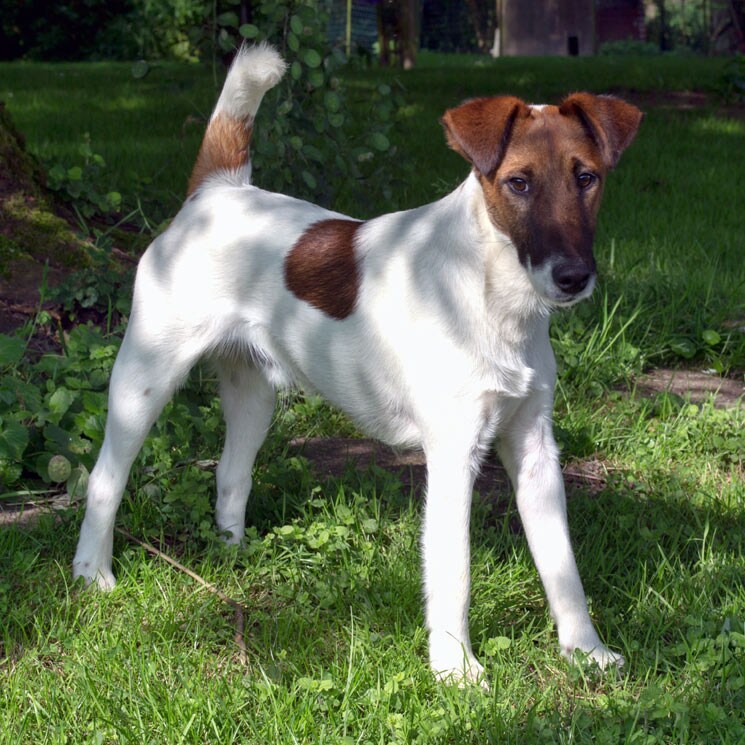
x=480 y=129
x=610 y=122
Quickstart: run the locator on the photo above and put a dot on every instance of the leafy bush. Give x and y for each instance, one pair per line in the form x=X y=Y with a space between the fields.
x=52 y=413
x=73 y=30
x=82 y=186
x=732 y=83
x=305 y=146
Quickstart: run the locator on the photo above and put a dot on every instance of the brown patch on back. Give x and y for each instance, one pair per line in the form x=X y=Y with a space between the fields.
x=321 y=268
x=224 y=147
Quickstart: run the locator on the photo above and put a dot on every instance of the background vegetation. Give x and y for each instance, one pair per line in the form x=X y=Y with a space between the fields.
x=333 y=648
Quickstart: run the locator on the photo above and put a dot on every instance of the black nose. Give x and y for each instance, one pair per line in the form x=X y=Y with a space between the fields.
x=571 y=278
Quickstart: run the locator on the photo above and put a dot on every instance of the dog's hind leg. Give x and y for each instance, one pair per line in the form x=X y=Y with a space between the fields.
x=143 y=380
x=248 y=403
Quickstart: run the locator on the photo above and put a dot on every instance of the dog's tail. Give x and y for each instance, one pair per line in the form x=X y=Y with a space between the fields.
x=225 y=145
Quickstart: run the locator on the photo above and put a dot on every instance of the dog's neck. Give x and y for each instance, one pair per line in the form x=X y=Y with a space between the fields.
x=510 y=296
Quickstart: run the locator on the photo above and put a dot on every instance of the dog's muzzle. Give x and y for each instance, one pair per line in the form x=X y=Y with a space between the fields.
x=572 y=278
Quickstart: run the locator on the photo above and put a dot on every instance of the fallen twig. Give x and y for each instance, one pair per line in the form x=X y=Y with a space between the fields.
x=238 y=607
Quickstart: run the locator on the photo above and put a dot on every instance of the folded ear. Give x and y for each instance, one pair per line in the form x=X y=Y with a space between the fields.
x=610 y=122
x=480 y=129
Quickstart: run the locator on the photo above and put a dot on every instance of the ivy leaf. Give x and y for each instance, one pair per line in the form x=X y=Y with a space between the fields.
x=379 y=141
x=248 y=31
x=309 y=179
x=229 y=18
x=312 y=58
x=332 y=102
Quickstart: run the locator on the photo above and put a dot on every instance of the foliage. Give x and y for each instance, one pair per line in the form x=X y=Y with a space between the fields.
x=53 y=411
x=732 y=83
x=177 y=29
x=308 y=144
x=74 y=29
x=82 y=185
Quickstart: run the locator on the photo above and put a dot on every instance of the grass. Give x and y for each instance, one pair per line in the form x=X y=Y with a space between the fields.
x=329 y=573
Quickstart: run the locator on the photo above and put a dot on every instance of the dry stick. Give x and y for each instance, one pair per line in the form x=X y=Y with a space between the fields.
x=238 y=607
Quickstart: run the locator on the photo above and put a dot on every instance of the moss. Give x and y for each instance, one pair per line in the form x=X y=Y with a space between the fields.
x=31 y=226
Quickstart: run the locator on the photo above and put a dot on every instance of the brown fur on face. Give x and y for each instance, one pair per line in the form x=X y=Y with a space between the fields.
x=547 y=151
x=321 y=268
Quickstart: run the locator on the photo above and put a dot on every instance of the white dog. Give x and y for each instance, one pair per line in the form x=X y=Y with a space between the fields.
x=429 y=327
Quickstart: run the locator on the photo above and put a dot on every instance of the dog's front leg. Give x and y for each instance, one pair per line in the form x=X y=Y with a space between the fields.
x=529 y=453
x=446 y=556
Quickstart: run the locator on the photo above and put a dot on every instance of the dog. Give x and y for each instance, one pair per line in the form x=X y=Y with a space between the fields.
x=428 y=327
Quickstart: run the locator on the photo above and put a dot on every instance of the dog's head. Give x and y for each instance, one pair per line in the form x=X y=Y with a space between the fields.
x=542 y=170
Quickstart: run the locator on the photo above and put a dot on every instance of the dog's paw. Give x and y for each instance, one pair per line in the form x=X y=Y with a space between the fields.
x=453 y=663
x=598 y=655
x=470 y=673
x=100 y=577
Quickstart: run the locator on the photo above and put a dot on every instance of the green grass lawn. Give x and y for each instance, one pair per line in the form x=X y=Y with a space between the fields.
x=335 y=650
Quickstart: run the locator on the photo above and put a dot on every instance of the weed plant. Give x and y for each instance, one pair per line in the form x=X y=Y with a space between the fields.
x=333 y=648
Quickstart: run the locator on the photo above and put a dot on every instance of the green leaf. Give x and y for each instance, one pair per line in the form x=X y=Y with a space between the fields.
x=229 y=18
x=56 y=174
x=312 y=58
x=225 y=41
x=711 y=337
x=77 y=482
x=379 y=141
x=60 y=401
x=332 y=102
x=684 y=348
x=296 y=70
x=316 y=78
x=75 y=173
x=312 y=152
x=370 y=525
x=497 y=644
x=13 y=440
x=140 y=69
x=11 y=350
x=248 y=31
x=293 y=42
x=59 y=469
x=309 y=179
x=296 y=25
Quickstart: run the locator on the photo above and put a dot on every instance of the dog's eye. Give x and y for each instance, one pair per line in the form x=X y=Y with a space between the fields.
x=519 y=185
x=585 y=180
